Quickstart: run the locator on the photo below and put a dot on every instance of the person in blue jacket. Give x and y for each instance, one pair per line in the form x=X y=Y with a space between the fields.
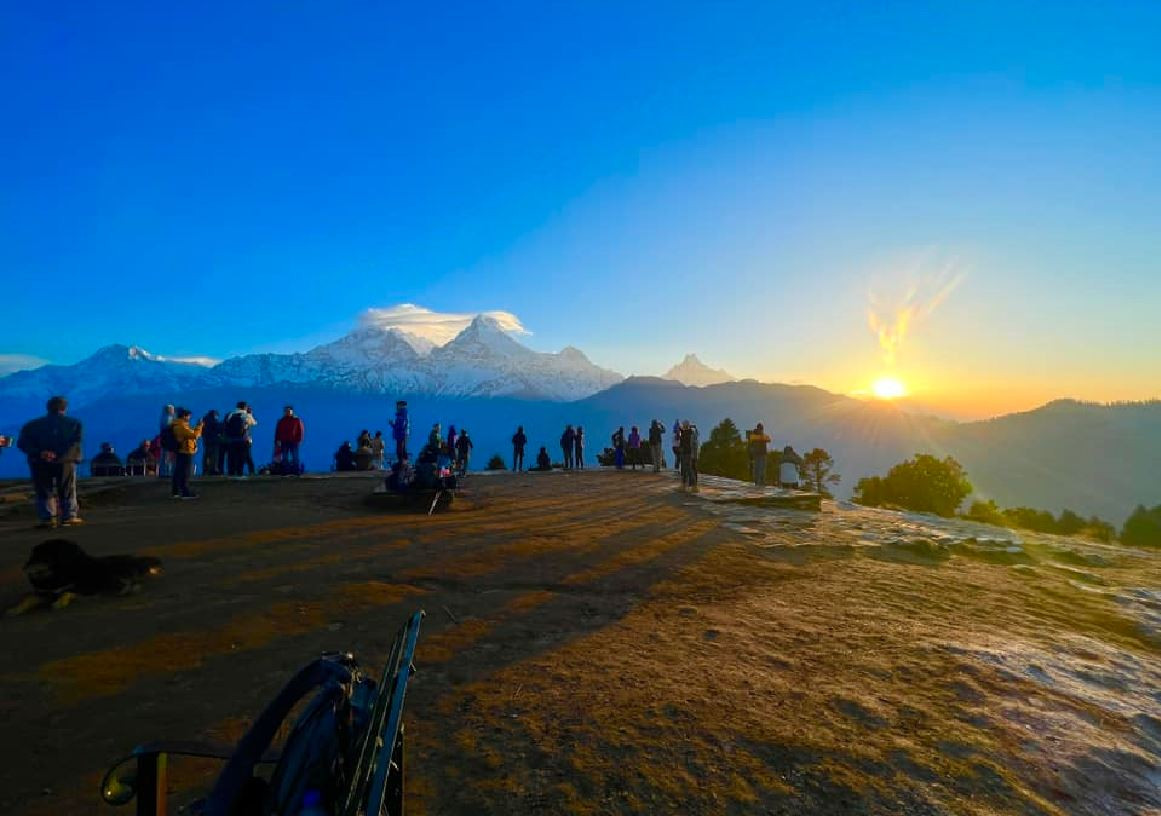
x=52 y=444
x=400 y=429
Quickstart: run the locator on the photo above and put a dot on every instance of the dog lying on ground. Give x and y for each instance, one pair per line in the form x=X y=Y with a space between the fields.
x=59 y=570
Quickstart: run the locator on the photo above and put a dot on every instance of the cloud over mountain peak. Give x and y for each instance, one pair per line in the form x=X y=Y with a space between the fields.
x=437 y=328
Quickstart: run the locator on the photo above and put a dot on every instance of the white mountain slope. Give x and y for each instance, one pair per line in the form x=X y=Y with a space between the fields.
x=483 y=360
x=692 y=371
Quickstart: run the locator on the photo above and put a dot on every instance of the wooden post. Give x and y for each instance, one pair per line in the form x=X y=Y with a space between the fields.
x=152 y=782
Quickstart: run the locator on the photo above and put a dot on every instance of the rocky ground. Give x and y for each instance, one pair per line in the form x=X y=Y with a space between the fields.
x=601 y=643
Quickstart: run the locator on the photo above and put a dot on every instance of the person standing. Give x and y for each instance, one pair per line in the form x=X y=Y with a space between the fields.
x=288 y=436
x=166 y=463
x=519 y=440
x=757 y=446
x=694 y=449
x=52 y=444
x=400 y=429
x=656 y=431
x=187 y=446
x=619 y=448
x=676 y=445
x=378 y=446
x=685 y=447
x=578 y=448
x=249 y=449
x=237 y=432
x=634 y=446
x=567 y=441
x=463 y=451
x=210 y=442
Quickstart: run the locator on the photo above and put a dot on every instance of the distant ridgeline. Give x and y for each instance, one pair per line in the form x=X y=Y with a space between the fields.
x=1096 y=460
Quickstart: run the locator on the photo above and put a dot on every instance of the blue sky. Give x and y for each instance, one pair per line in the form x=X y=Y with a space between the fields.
x=637 y=180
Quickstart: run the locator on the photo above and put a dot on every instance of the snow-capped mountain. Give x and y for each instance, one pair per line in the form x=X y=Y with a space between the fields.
x=482 y=361
x=692 y=371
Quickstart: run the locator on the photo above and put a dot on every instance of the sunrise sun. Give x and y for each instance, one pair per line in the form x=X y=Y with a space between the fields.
x=888 y=388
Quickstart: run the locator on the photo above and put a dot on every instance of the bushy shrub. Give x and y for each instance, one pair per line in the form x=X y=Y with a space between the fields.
x=724 y=453
x=924 y=484
x=496 y=463
x=1143 y=528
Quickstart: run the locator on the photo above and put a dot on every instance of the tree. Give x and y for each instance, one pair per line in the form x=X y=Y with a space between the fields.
x=925 y=484
x=1143 y=528
x=724 y=453
x=817 y=466
x=987 y=512
x=496 y=463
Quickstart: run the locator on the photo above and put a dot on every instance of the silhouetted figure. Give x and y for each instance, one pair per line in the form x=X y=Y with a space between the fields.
x=211 y=444
x=106 y=463
x=634 y=446
x=757 y=447
x=463 y=451
x=542 y=460
x=567 y=440
x=52 y=444
x=140 y=461
x=378 y=447
x=400 y=430
x=345 y=457
x=619 y=448
x=519 y=440
x=578 y=448
x=656 y=431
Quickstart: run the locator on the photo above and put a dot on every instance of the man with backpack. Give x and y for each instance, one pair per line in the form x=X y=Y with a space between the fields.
x=655 y=433
x=52 y=444
x=687 y=446
x=288 y=434
x=567 y=440
x=757 y=442
x=237 y=432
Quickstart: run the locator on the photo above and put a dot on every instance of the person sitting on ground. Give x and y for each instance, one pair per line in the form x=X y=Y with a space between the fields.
x=401 y=477
x=364 y=457
x=788 y=473
x=378 y=446
x=140 y=461
x=519 y=440
x=106 y=463
x=344 y=457
x=463 y=451
x=542 y=460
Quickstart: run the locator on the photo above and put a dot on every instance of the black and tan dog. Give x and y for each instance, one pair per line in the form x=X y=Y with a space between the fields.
x=59 y=570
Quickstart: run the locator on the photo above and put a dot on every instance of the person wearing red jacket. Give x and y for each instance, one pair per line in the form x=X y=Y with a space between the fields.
x=288 y=435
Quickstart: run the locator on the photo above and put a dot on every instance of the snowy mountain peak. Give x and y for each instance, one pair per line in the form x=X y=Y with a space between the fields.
x=692 y=371
x=484 y=336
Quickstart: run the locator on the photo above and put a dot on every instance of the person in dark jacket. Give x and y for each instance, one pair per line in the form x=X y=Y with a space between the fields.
x=211 y=431
x=400 y=430
x=519 y=440
x=542 y=460
x=578 y=448
x=463 y=451
x=656 y=431
x=567 y=440
x=52 y=444
x=140 y=461
x=106 y=463
x=345 y=457
x=619 y=447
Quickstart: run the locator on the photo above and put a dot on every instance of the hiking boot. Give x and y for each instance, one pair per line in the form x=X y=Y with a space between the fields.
x=75 y=521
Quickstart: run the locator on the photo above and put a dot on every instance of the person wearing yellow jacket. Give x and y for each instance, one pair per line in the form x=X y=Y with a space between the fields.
x=187 y=446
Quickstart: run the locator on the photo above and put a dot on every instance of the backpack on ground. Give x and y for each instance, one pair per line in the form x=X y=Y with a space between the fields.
x=168 y=439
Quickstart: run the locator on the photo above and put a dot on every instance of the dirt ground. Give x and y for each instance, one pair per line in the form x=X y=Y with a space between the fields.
x=600 y=643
